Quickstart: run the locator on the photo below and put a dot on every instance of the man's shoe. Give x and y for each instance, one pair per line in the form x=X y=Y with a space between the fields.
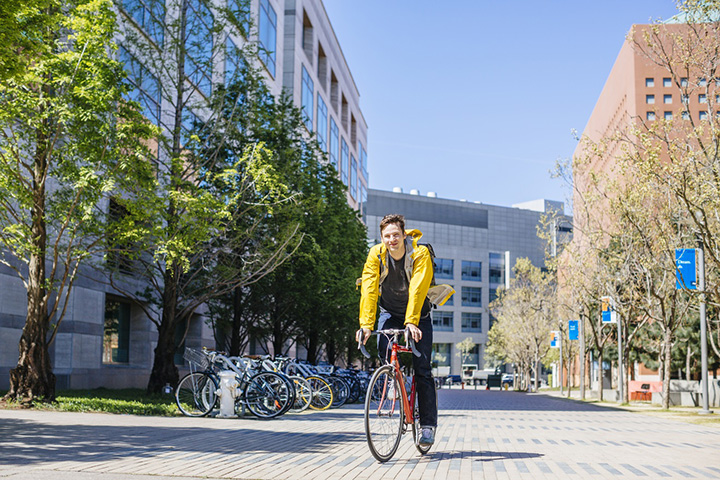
x=427 y=436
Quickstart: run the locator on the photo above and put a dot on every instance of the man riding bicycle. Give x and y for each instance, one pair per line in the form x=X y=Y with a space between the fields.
x=398 y=272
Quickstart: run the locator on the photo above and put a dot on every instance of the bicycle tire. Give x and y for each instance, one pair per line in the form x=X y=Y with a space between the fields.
x=340 y=390
x=196 y=394
x=266 y=395
x=292 y=392
x=322 y=393
x=383 y=414
x=416 y=426
x=303 y=394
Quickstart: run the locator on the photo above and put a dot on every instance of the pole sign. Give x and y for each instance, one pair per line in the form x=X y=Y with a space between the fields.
x=573 y=329
x=554 y=339
x=607 y=307
x=685 y=269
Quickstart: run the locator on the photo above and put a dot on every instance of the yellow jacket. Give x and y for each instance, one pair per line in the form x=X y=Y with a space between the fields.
x=419 y=270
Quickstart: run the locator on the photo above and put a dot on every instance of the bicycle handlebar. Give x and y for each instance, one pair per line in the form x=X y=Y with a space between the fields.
x=392 y=331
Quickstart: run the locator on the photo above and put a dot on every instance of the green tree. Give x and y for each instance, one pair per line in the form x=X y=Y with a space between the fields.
x=525 y=314
x=217 y=189
x=70 y=142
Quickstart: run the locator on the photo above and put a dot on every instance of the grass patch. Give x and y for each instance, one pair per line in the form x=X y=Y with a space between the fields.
x=130 y=401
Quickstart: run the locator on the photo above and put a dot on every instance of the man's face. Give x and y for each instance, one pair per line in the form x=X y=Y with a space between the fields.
x=394 y=239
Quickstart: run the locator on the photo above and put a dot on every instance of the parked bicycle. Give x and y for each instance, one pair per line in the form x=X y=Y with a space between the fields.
x=265 y=394
x=389 y=410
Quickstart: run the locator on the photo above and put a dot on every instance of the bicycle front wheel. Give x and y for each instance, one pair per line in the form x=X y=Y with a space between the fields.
x=196 y=394
x=267 y=395
x=322 y=393
x=383 y=414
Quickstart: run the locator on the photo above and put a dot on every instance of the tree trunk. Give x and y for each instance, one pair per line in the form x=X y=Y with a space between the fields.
x=164 y=370
x=32 y=378
x=235 y=340
x=666 y=369
x=688 y=357
x=313 y=347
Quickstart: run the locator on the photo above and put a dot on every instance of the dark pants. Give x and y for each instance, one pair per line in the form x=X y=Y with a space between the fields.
x=425 y=385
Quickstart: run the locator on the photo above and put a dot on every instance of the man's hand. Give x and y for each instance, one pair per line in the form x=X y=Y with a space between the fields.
x=362 y=335
x=415 y=332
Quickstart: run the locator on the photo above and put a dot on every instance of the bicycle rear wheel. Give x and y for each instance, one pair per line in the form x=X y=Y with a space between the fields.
x=267 y=395
x=196 y=394
x=383 y=414
x=322 y=393
x=340 y=391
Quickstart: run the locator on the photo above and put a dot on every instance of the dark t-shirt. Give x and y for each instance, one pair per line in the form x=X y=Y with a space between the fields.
x=394 y=298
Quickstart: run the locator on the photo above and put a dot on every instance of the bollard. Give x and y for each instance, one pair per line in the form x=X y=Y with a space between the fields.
x=227 y=393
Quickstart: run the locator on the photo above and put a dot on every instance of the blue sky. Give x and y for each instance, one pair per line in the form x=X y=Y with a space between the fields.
x=476 y=99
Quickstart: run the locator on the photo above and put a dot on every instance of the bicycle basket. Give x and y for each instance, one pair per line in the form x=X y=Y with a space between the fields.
x=196 y=357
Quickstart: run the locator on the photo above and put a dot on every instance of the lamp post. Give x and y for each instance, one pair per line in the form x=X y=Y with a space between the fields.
x=703 y=328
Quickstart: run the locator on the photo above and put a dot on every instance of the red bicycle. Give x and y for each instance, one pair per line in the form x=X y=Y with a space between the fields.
x=388 y=409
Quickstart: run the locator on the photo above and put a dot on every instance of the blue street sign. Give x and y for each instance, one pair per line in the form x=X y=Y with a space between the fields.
x=573 y=329
x=686 y=271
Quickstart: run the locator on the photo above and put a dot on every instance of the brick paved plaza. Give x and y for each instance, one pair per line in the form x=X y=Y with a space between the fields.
x=483 y=435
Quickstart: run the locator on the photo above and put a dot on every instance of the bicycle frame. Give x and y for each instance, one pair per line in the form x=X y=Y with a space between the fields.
x=400 y=377
x=396 y=348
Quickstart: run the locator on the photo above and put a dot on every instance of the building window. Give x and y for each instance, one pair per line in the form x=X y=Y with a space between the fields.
x=471 y=322
x=267 y=32
x=684 y=99
x=363 y=199
x=450 y=301
x=471 y=271
x=667 y=82
x=199 y=46
x=683 y=82
x=441 y=354
x=497 y=268
x=650 y=115
x=363 y=161
x=234 y=63
x=308 y=96
x=685 y=115
x=717 y=98
x=442 y=321
x=702 y=82
x=667 y=98
x=649 y=82
x=444 y=268
x=471 y=297
x=322 y=114
x=145 y=86
x=702 y=115
x=353 y=177
x=333 y=146
x=149 y=15
x=649 y=99
x=667 y=115
x=702 y=98
x=242 y=14
x=116 y=332
x=344 y=161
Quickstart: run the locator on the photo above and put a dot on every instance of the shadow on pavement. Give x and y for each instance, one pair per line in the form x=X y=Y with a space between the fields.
x=24 y=442
x=483 y=456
